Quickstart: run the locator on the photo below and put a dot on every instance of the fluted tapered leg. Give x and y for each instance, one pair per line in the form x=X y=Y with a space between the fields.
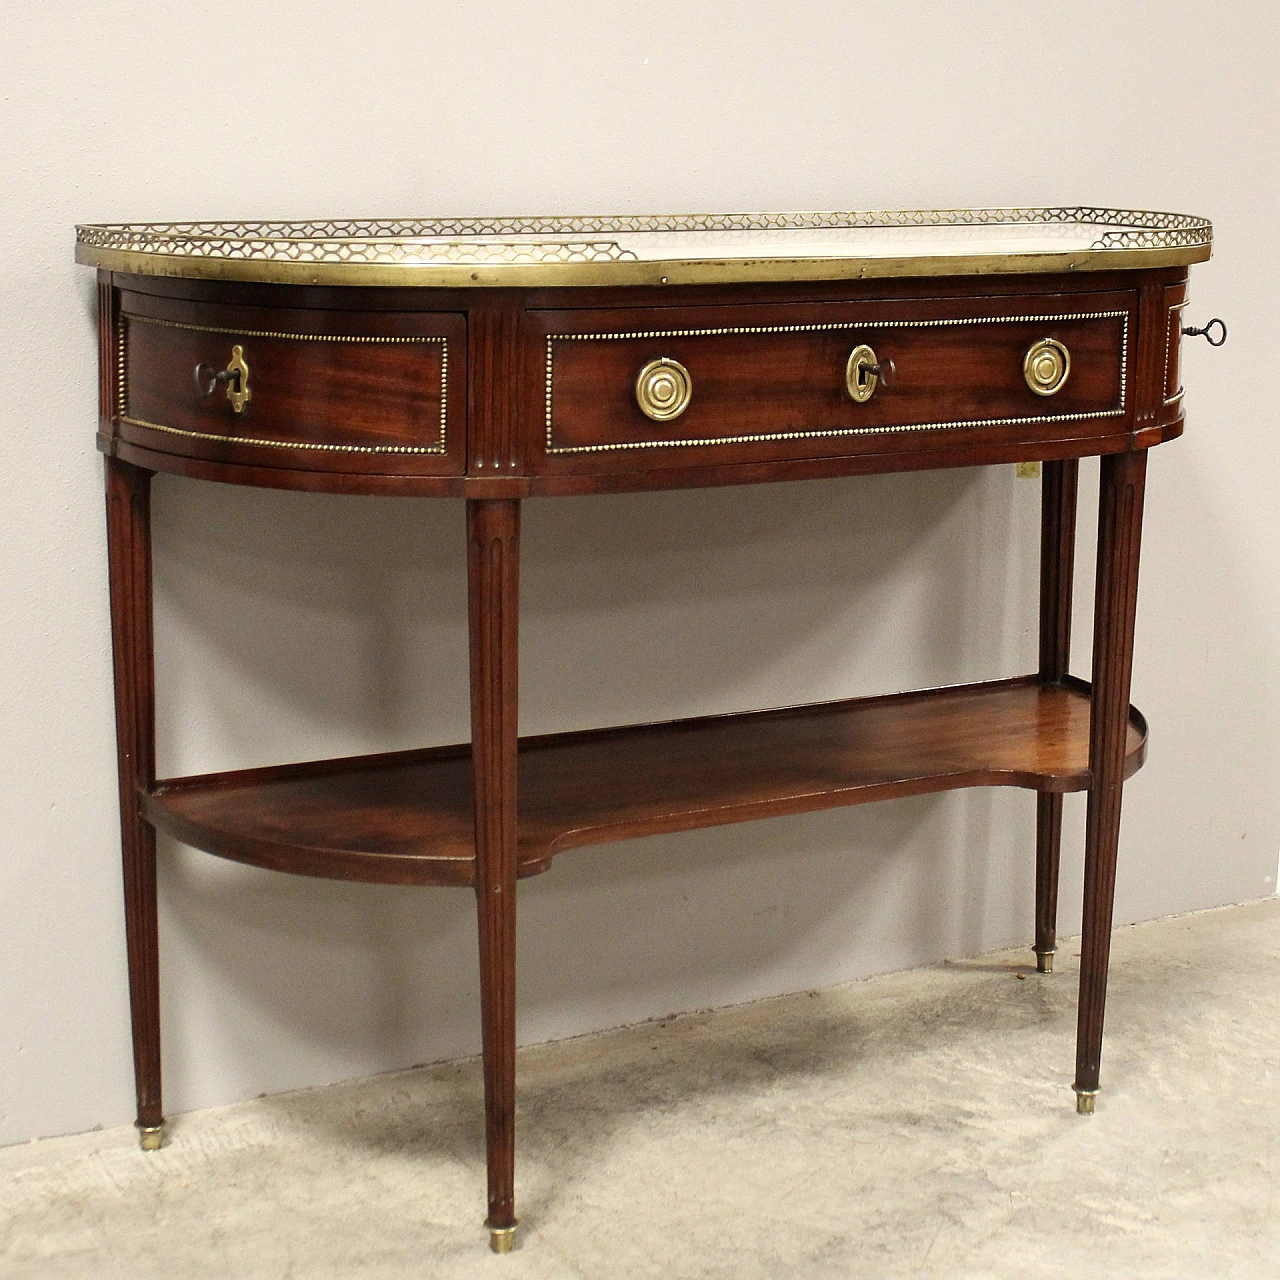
x=129 y=567
x=493 y=536
x=1119 y=538
x=1057 y=564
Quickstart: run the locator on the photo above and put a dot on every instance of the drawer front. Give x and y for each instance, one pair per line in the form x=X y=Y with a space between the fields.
x=379 y=392
x=767 y=383
x=1175 y=301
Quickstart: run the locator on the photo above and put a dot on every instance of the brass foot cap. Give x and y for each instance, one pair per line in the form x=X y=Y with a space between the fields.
x=1044 y=961
x=502 y=1239
x=150 y=1136
x=1085 y=1100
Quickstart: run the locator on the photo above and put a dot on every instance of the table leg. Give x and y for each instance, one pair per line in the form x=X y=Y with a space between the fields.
x=493 y=540
x=1119 y=537
x=129 y=567
x=1057 y=566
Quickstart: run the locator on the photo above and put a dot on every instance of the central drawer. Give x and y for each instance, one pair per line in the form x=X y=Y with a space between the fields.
x=647 y=388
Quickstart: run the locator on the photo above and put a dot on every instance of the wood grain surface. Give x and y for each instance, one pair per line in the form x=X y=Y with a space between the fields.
x=538 y=391
x=370 y=406
x=327 y=393
x=406 y=817
x=769 y=382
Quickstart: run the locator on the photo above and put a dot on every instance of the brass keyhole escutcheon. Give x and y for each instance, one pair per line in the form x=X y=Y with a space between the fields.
x=235 y=378
x=238 y=387
x=663 y=389
x=861 y=373
x=1046 y=366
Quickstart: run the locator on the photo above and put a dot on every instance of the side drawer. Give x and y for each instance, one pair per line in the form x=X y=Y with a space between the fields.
x=351 y=391
x=767 y=383
x=1175 y=301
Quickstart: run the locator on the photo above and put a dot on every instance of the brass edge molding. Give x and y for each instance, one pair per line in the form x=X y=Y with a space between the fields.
x=553 y=449
x=1164 y=382
x=501 y=251
x=441 y=447
x=569 y=275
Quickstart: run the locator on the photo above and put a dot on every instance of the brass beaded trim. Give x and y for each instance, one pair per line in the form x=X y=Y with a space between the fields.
x=440 y=447
x=552 y=448
x=1164 y=382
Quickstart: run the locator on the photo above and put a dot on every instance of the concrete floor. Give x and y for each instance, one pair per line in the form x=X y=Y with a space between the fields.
x=916 y=1125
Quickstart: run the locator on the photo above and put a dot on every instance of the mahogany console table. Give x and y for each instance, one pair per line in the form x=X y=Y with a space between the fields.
x=496 y=360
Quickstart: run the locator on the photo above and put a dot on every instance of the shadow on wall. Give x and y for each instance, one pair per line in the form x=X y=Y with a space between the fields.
x=316 y=616
x=294 y=626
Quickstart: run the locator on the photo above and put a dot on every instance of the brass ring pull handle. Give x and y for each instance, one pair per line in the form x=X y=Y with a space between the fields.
x=235 y=377
x=1207 y=332
x=863 y=373
x=663 y=389
x=1046 y=366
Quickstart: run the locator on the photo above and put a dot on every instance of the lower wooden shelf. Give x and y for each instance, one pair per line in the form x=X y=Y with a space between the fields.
x=406 y=817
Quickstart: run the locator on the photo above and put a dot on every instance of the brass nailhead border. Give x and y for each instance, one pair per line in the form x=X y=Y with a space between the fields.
x=1164 y=382
x=552 y=448
x=439 y=448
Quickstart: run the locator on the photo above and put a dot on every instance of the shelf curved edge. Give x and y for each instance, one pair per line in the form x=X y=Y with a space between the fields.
x=356 y=818
x=1060 y=743
x=406 y=817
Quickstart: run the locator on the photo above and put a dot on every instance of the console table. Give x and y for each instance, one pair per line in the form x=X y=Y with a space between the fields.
x=497 y=359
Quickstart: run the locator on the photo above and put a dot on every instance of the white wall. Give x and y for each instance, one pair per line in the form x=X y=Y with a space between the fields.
x=292 y=626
